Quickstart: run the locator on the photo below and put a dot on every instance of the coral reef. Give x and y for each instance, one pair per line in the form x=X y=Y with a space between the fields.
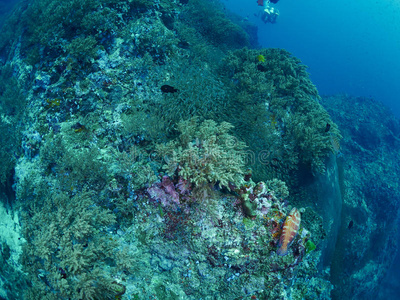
x=198 y=252
x=129 y=190
x=67 y=245
x=282 y=118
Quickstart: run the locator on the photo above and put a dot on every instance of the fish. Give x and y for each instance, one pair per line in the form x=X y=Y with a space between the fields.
x=289 y=231
x=351 y=223
x=335 y=143
x=327 y=127
x=78 y=127
x=168 y=89
x=261 y=58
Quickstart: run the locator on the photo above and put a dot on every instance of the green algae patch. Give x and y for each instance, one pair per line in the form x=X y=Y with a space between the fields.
x=310 y=246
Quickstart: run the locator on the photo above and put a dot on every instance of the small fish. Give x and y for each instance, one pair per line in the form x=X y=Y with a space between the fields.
x=168 y=89
x=261 y=58
x=78 y=127
x=351 y=223
x=328 y=127
x=289 y=231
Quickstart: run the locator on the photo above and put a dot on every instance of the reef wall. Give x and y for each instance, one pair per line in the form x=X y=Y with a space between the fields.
x=329 y=205
x=367 y=242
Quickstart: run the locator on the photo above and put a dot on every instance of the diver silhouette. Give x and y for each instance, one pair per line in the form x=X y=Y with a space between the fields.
x=269 y=14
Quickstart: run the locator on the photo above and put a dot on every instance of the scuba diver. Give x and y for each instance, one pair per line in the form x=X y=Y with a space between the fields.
x=269 y=13
x=261 y=2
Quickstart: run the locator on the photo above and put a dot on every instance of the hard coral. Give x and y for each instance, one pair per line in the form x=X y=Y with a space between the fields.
x=257 y=199
x=279 y=111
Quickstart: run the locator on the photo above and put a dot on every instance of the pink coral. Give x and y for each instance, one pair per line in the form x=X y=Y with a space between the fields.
x=184 y=186
x=164 y=192
x=170 y=189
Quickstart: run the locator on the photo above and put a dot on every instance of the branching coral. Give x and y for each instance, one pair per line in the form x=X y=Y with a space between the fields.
x=74 y=157
x=205 y=153
x=67 y=244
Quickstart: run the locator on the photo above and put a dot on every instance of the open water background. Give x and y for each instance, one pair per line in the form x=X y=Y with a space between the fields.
x=351 y=47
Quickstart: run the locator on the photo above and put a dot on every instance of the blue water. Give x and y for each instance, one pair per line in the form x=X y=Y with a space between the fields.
x=5 y=7
x=351 y=47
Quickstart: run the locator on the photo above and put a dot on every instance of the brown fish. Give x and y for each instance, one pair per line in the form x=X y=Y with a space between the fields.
x=335 y=143
x=289 y=231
